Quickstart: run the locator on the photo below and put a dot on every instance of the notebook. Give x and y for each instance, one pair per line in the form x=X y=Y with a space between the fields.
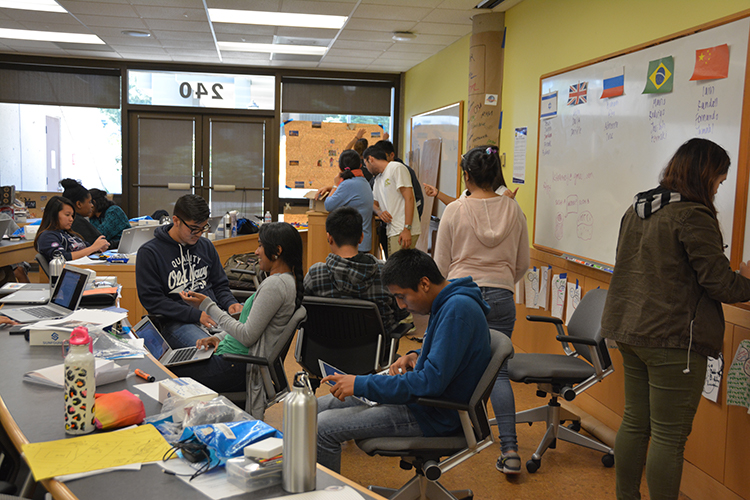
x=64 y=300
x=159 y=348
x=132 y=239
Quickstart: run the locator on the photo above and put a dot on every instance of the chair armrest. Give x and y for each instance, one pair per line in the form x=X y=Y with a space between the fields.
x=400 y=330
x=441 y=403
x=575 y=340
x=239 y=358
x=545 y=319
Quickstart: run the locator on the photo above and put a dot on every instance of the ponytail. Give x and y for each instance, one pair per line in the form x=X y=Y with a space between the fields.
x=349 y=160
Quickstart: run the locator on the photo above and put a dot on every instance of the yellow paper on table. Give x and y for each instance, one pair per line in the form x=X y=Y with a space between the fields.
x=94 y=452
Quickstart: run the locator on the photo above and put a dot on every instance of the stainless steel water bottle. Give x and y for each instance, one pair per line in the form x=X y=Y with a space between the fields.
x=80 y=383
x=300 y=436
x=55 y=269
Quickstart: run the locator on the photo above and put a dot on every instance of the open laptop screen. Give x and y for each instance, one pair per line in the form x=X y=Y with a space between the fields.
x=69 y=289
x=152 y=339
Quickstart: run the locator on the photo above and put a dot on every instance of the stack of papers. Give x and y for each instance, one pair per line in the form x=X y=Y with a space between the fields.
x=53 y=376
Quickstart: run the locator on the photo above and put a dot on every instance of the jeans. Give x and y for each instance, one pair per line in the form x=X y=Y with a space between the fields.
x=178 y=334
x=502 y=317
x=351 y=419
x=660 y=404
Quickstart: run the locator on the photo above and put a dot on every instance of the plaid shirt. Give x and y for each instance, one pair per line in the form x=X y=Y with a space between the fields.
x=111 y=224
x=355 y=278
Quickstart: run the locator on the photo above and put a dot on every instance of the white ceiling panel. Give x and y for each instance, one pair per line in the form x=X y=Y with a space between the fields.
x=181 y=31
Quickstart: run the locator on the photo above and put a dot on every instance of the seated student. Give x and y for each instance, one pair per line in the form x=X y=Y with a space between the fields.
x=107 y=217
x=263 y=319
x=55 y=233
x=352 y=190
x=178 y=259
x=349 y=273
x=81 y=199
x=454 y=355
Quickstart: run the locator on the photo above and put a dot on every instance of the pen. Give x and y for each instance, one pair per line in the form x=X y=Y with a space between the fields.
x=145 y=376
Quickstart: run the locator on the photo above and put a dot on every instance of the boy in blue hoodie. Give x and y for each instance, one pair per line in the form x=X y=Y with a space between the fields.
x=178 y=259
x=454 y=355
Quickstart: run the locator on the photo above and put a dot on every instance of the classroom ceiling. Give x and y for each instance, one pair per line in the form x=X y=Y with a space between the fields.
x=181 y=31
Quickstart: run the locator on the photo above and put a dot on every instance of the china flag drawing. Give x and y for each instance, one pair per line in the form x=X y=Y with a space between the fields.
x=577 y=93
x=711 y=63
x=660 y=76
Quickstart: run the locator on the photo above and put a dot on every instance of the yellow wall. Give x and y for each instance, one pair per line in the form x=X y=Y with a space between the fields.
x=544 y=36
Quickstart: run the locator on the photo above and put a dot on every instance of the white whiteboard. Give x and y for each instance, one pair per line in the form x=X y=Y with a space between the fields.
x=594 y=157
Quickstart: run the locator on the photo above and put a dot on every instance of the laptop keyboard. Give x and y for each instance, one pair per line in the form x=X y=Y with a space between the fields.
x=42 y=312
x=183 y=354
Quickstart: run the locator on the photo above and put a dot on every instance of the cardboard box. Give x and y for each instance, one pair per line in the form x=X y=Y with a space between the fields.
x=184 y=388
x=48 y=336
x=316 y=205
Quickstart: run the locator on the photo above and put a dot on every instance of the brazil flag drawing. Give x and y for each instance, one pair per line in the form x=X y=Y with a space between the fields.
x=660 y=76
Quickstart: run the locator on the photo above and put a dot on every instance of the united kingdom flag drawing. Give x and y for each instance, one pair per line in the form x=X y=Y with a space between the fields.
x=577 y=93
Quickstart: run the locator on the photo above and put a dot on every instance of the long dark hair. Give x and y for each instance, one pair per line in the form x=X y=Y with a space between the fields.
x=51 y=219
x=273 y=235
x=483 y=166
x=693 y=170
x=74 y=191
x=100 y=200
x=349 y=160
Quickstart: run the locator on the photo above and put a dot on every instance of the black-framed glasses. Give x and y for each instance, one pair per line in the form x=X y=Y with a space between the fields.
x=195 y=229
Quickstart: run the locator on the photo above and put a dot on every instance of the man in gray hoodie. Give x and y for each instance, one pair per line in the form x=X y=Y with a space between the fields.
x=349 y=273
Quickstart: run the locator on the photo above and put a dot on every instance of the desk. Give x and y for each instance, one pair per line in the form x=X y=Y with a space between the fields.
x=34 y=413
x=12 y=252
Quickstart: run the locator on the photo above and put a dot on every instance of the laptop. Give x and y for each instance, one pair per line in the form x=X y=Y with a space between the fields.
x=132 y=239
x=31 y=293
x=4 y=225
x=159 y=348
x=214 y=223
x=65 y=299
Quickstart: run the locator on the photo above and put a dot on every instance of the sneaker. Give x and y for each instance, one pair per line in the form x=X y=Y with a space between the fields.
x=509 y=463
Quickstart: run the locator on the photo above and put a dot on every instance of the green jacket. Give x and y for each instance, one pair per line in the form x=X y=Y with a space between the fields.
x=670 y=270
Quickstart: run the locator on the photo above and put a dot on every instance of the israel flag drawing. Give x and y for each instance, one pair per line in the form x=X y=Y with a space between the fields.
x=549 y=105
x=577 y=93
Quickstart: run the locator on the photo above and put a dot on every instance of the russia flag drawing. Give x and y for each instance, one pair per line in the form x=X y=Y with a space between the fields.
x=614 y=84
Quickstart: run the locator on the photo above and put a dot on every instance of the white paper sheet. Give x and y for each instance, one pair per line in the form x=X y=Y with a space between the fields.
x=559 y=290
x=519 y=156
x=519 y=291
x=714 y=372
x=544 y=286
x=531 y=285
x=574 y=298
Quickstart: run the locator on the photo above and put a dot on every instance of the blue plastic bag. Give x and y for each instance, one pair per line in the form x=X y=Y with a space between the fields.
x=228 y=440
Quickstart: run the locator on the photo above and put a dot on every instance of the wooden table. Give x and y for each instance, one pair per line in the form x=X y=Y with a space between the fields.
x=13 y=252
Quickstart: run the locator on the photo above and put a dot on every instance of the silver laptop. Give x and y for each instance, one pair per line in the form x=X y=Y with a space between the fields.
x=30 y=293
x=214 y=223
x=159 y=348
x=65 y=299
x=4 y=225
x=132 y=239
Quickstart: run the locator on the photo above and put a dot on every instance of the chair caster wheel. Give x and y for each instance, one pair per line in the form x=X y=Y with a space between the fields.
x=575 y=426
x=608 y=460
x=533 y=465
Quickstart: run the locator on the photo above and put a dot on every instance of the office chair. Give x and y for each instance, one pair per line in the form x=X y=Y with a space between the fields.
x=244 y=274
x=272 y=368
x=425 y=453
x=584 y=364
x=347 y=334
x=43 y=264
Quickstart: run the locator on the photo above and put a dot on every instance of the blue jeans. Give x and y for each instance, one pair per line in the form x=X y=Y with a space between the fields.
x=660 y=404
x=351 y=419
x=502 y=317
x=178 y=334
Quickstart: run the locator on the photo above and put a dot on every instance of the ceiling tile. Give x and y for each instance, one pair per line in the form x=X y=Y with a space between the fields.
x=175 y=13
x=392 y=13
x=186 y=44
x=11 y=25
x=400 y=56
x=99 y=9
x=130 y=41
x=333 y=8
x=212 y=59
x=245 y=56
x=463 y=4
x=294 y=64
x=123 y=23
x=412 y=3
x=243 y=29
x=443 y=40
x=42 y=17
x=139 y=56
x=184 y=25
x=416 y=48
x=351 y=67
x=379 y=25
x=261 y=5
x=306 y=32
x=360 y=44
x=188 y=4
x=110 y=32
x=183 y=35
x=442 y=29
x=348 y=60
x=448 y=16
x=364 y=54
x=64 y=28
x=245 y=38
x=175 y=51
x=363 y=37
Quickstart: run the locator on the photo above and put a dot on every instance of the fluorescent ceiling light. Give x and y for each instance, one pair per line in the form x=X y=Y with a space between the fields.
x=50 y=36
x=274 y=48
x=276 y=18
x=40 y=5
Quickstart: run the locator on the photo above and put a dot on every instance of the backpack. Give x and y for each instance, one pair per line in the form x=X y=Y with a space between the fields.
x=243 y=271
x=246 y=226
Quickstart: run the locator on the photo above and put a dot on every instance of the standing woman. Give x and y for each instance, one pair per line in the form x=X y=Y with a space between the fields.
x=81 y=199
x=354 y=191
x=55 y=233
x=108 y=218
x=263 y=319
x=664 y=310
x=484 y=235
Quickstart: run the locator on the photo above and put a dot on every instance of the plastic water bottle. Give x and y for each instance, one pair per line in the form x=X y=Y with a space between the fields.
x=300 y=437
x=80 y=383
x=55 y=269
x=267 y=217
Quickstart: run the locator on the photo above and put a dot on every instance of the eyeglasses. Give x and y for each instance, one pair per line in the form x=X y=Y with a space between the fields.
x=195 y=229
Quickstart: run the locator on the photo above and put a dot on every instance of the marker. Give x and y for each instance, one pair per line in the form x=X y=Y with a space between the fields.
x=145 y=376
